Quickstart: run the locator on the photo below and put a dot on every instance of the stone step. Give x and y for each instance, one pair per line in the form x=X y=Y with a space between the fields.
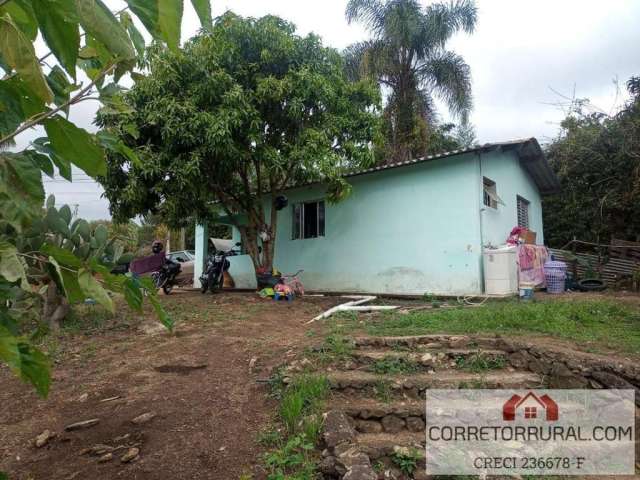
x=372 y=409
x=432 y=341
x=414 y=385
x=427 y=357
x=378 y=445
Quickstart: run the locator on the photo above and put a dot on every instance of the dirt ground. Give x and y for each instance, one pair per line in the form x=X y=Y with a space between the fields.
x=210 y=404
x=210 y=407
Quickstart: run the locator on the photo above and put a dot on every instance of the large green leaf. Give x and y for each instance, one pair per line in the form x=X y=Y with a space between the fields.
x=11 y=113
x=113 y=143
x=43 y=145
x=21 y=189
x=134 y=34
x=67 y=279
x=164 y=317
x=76 y=145
x=42 y=161
x=23 y=16
x=98 y=21
x=35 y=368
x=60 y=86
x=17 y=51
x=11 y=268
x=62 y=255
x=92 y=288
x=133 y=294
x=9 y=352
x=25 y=361
x=162 y=18
x=59 y=26
x=170 y=19
x=203 y=9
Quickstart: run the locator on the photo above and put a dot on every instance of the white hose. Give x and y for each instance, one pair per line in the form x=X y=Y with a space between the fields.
x=466 y=300
x=353 y=305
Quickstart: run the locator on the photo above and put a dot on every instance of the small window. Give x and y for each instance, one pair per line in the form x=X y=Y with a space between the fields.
x=530 y=412
x=308 y=220
x=490 y=196
x=523 y=212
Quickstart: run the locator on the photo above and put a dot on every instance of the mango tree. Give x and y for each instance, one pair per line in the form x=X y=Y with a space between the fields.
x=245 y=111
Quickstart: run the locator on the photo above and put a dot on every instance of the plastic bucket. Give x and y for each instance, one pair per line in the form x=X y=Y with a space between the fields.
x=526 y=291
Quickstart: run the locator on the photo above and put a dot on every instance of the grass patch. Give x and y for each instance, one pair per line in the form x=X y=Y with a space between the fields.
x=305 y=395
x=293 y=456
x=393 y=365
x=479 y=363
x=382 y=391
x=603 y=323
x=336 y=347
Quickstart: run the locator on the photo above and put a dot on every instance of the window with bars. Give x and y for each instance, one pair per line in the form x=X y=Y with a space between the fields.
x=490 y=196
x=308 y=220
x=523 y=212
x=530 y=412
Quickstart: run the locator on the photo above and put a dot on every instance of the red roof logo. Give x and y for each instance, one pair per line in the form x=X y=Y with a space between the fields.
x=531 y=405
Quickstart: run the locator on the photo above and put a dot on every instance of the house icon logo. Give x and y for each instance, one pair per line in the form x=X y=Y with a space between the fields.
x=531 y=405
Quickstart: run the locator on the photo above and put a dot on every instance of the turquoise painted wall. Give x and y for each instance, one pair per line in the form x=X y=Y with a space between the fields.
x=408 y=230
x=511 y=180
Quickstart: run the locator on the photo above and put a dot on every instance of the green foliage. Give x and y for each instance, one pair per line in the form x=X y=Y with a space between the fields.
x=292 y=461
x=57 y=250
x=18 y=53
x=393 y=365
x=406 y=459
x=300 y=407
x=407 y=53
x=597 y=159
x=46 y=256
x=248 y=107
x=75 y=145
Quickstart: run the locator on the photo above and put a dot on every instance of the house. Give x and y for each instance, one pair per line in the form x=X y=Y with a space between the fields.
x=409 y=227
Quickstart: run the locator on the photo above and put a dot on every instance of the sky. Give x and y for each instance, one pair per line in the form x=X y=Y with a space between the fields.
x=526 y=57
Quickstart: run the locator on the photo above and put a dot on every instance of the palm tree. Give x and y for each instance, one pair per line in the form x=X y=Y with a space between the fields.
x=407 y=55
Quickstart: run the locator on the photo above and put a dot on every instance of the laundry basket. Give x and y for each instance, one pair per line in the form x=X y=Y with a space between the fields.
x=554 y=274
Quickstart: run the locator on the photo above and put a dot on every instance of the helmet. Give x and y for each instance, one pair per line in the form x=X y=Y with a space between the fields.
x=156 y=246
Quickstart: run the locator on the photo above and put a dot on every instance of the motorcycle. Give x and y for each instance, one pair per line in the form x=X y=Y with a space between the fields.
x=165 y=278
x=212 y=277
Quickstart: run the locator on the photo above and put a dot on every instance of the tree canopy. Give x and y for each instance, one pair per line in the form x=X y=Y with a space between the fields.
x=240 y=114
x=407 y=54
x=597 y=159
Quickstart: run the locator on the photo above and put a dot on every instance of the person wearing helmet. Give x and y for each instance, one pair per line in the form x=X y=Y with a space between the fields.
x=156 y=246
x=152 y=263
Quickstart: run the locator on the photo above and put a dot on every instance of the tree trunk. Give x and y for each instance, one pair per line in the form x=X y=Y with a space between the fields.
x=56 y=307
x=261 y=251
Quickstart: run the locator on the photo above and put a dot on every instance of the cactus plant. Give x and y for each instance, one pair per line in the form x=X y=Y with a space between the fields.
x=59 y=251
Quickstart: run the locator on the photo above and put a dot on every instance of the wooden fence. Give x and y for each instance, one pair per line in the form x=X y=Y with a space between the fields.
x=613 y=270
